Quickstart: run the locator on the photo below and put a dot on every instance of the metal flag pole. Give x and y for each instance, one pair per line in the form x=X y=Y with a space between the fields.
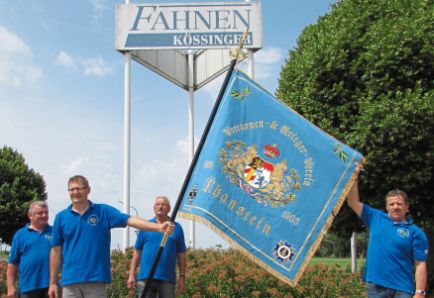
x=236 y=54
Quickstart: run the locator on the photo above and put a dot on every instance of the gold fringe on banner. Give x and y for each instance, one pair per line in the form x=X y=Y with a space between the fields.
x=327 y=224
x=236 y=246
x=293 y=282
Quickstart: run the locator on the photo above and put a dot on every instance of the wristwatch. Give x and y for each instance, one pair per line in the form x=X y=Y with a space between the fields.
x=421 y=292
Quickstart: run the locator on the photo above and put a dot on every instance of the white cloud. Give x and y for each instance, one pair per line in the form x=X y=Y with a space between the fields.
x=98 y=4
x=183 y=145
x=99 y=167
x=74 y=166
x=91 y=66
x=264 y=68
x=213 y=87
x=265 y=61
x=263 y=71
x=156 y=177
x=15 y=54
x=66 y=60
x=168 y=173
x=268 y=55
x=32 y=74
x=97 y=67
x=98 y=8
x=12 y=44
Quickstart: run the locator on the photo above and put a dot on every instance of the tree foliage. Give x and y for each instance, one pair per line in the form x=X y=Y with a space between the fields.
x=19 y=186
x=364 y=73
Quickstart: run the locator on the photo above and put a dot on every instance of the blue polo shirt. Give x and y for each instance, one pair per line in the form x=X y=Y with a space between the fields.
x=85 y=241
x=393 y=248
x=149 y=244
x=30 y=251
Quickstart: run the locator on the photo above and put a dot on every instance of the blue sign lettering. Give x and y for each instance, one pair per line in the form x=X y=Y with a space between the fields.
x=147 y=18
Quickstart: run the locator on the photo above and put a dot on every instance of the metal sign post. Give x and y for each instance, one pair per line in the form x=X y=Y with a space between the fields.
x=188 y=44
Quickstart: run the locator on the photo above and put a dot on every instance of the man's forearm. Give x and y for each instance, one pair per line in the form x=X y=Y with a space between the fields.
x=132 y=281
x=143 y=224
x=182 y=263
x=11 y=276
x=55 y=260
x=353 y=195
x=420 y=275
x=135 y=262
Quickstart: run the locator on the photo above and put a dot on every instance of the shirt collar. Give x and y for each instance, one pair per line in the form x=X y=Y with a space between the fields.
x=408 y=221
x=47 y=226
x=89 y=208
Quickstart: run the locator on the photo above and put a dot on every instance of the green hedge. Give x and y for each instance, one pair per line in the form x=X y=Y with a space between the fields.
x=3 y=267
x=227 y=273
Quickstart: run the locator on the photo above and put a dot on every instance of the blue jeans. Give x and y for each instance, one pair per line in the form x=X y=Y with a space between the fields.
x=376 y=291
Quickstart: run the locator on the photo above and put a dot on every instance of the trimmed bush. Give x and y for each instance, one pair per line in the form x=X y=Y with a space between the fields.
x=120 y=266
x=3 y=267
x=213 y=273
x=227 y=273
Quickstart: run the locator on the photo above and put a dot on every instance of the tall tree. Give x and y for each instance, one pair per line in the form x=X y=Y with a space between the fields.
x=19 y=186
x=364 y=73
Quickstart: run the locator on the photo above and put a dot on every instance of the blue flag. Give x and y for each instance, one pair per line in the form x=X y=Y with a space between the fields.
x=267 y=180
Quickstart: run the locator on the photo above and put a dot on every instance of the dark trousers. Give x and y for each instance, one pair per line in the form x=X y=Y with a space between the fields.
x=40 y=293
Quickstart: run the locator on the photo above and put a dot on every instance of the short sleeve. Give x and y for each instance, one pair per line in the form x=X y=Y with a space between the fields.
x=180 y=241
x=116 y=218
x=139 y=241
x=368 y=214
x=14 y=255
x=420 y=246
x=57 y=236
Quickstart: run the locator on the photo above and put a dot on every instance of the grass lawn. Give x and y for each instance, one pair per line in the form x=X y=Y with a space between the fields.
x=4 y=255
x=341 y=262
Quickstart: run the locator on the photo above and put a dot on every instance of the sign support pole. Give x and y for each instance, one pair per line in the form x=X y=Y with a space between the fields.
x=127 y=145
x=192 y=243
x=250 y=64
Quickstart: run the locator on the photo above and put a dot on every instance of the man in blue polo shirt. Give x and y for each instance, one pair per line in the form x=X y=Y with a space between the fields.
x=81 y=243
x=29 y=255
x=146 y=248
x=397 y=248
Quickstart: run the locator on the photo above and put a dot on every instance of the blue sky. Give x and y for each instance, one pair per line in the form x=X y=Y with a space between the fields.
x=62 y=100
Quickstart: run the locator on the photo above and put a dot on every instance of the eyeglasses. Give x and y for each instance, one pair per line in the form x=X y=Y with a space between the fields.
x=77 y=189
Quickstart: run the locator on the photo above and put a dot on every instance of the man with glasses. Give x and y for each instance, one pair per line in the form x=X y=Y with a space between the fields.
x=29 y=255
x=81 y=243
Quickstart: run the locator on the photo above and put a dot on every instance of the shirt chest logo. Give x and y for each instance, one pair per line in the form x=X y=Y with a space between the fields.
x=92 y=220
x=404 y=233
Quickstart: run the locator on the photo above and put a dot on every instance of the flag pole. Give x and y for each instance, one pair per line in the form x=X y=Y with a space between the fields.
x=236 y=54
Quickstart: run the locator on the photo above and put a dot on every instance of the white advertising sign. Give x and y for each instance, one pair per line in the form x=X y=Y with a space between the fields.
x=187 y=26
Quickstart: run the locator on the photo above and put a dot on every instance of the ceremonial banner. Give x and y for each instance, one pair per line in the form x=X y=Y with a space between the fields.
x=267 y=180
